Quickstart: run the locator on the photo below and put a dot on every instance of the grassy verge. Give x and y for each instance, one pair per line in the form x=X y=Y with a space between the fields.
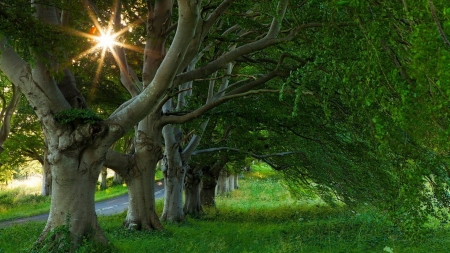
x=259 y=217
x=22 y=202
x=25 y=202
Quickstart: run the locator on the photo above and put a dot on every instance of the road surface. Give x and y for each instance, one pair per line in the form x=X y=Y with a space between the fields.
x=107 y=207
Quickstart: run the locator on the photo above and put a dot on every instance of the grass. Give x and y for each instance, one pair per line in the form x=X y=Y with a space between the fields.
x=22 y=202
x=259 y=217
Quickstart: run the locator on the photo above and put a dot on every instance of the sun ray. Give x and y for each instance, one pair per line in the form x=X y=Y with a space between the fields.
x=129 y=25
x=103 y=38
x=95 y=82
x=84 y=53
x=131 y=47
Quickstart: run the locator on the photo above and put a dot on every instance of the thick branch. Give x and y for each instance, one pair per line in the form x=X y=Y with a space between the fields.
x=163 y=80
x=238 y=92
x=34 y=155
x=200 y=111
x=120 y=163
x=14 y=67
x=193 y=144
x=158 y=21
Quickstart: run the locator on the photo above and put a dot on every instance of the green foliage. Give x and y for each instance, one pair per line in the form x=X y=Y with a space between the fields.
x=57 y=240
x=77 y=116
x=367 y=107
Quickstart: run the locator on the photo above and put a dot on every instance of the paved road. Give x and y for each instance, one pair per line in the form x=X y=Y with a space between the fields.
x=107 y=207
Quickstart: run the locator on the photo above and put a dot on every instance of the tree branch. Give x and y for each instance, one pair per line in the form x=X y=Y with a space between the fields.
x=7 y=114
x=200 y=111
x=238 y=92
x=261 y=157
x=193 y=144
x=438 y=24
x=150 y=97
x=215 y=15
x=267 y=41
x=120 y=163
x=120 y=57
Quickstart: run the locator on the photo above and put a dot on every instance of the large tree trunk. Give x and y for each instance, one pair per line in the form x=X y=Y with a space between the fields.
x=72 y=212
x=209 y=182
x=192 y=204
x=174 y=170
x=236 y=181
x=208 y=192
x=223 y=184
x=231 y=182
x=141 y=213
x=173 y=186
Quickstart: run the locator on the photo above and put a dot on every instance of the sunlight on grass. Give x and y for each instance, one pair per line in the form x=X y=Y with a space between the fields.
x=22 y=201
x=22 y=197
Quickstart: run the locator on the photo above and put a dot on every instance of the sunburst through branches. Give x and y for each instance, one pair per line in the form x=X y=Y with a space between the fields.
x=105 y=39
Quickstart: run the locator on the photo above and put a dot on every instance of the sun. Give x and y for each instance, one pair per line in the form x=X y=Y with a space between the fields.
x=106 y=40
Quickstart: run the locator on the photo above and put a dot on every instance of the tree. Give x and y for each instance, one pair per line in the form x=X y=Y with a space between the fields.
x=148 y=139
x=77 y=148
x=78 y=141
x=8 y=108
x=196 y=44
x=378 y=83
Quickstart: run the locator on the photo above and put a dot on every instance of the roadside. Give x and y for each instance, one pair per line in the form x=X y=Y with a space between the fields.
x=103 y=208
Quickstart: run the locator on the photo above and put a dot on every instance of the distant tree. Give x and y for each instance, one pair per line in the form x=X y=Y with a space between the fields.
x=10 y=97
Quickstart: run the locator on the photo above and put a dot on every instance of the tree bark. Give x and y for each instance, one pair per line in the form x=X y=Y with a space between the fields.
x=209 y=182
x=223 y=184
x=231 y=182
x=236 y=181
x=75 y=174
x=174 y=173
x=141 y=213
x=192 y=204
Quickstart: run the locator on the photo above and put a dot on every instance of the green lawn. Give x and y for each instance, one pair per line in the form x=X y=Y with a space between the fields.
x=259 y=217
